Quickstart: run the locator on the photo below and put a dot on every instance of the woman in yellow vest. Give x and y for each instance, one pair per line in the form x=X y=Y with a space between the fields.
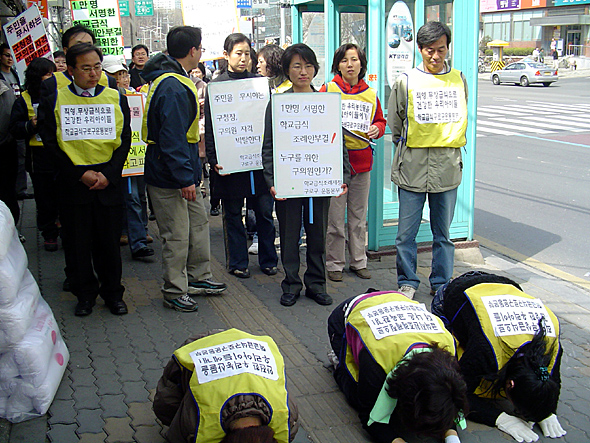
x=395 y=363
x=226 y=387
x=501 y=355
x=39 y=160
x=363 y=118
x=269 y=65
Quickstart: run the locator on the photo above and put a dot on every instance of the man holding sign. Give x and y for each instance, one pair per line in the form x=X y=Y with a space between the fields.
x=88 y=126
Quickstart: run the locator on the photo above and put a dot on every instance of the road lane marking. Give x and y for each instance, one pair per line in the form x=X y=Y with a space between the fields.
x=494 y=130
x=516 y=128
x=554 y=141
x=578 y=124
x=540 y=122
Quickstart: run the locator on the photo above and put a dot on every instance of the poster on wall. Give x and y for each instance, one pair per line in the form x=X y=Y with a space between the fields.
x=498 y=5
x=307 y=139
x=216 y=18
x=400 y=41
x=102 y=16
x=27 y=39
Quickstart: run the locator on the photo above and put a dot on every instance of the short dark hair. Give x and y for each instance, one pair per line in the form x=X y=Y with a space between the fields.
x=431 y=32
x=201 y=67
x=78 y=29
x=272 y=56
x=303 y=51
x=251 y=434
x=430 y=392
x=341 y=52
x=38 y=67
x=80 y=49
x=58 y=54
x=234 y=39
x=140 y=46
x=181 y=39
x=4 y=46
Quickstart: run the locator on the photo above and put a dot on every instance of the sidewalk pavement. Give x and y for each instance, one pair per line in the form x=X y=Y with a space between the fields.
x=106 y=392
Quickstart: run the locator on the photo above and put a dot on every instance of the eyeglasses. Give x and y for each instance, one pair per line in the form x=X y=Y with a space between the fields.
x=87 y=69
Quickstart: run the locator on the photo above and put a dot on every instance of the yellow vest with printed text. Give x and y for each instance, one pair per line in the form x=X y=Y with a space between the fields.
x=89 y=151
x=33 y=141
x=63 y=80
x=368 y=96
x=282 y=87
x=389 y=350
x=211 y=396
x=192 y=135
x=504 y=347
x=440 y=98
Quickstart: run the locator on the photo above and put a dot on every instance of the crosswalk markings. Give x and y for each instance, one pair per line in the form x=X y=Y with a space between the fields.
x=546 y=123
x=493 y=131
x=514 y=127
x=559 y=124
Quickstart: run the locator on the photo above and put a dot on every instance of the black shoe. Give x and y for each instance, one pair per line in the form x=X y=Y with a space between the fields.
x=84 y=308
x=321 y=298
x=118 y=307
x=66 y=287
x=288 y=299
x=50 y=244
x=152 y=216
x=25 y=196
x=270 y=271
x=142 y=253
x=240 y=273
x=214 y=212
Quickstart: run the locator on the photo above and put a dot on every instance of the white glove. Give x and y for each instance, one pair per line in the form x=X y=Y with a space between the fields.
x=551 y=427
x=519 y=429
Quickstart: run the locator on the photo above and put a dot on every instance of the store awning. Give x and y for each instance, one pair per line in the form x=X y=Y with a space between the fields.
x=561 y=20
x=498 y=43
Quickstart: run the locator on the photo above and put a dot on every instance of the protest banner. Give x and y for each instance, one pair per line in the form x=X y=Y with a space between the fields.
x=136 y=157
x=237 y=112
x=307 y=136
x=102 y=16
x=27 y=39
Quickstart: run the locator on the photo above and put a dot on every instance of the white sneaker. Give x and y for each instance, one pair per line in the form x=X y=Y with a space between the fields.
x=253 y=249
x=333 y=358
x=408 y=291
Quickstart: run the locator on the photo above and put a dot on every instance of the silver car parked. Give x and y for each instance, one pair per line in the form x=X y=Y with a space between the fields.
x=524 y=73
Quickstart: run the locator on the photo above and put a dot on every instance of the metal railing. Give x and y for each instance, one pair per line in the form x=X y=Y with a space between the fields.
x=578 y=50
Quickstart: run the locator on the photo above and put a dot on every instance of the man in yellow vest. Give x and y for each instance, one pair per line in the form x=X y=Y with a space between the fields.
x=428 y=120
x=88 y=127
x=173 y=170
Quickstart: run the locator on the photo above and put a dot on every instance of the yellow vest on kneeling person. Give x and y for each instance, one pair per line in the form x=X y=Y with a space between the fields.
x=437 y=110
x=95 y=133
x=232 y=363
x=192 y=135
x=389 y=324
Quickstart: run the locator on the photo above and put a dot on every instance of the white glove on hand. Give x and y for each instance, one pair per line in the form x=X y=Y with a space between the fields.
x=551 y=427
x=519 y=429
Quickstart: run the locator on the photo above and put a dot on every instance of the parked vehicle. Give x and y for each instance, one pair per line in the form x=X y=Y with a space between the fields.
x=524 y=73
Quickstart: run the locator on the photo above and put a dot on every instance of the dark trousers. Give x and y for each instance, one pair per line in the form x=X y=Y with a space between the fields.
x=289 y=215
x=93 y=231
x=46 y=201
x=234 y=232
x=8 y=168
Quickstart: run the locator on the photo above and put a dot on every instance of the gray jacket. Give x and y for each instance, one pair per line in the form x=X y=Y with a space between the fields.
x=7 y=99
x=433 y=169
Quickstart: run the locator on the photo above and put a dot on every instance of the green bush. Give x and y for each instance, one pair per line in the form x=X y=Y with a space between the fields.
x=510 y=52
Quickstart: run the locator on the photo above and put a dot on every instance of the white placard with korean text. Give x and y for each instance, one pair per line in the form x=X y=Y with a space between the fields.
x=512 y=315
x=307 y=139
x=398 y=317
x=237 y=357
x=27 y=39
x=437 y=105
x=88 y=122
x=237 y=113
x=136 y=157
x=102 y=16
x=356 y=115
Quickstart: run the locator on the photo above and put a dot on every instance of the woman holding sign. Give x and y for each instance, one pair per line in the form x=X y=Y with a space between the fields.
x=363 y=118
x=226 y=387
x=495 y=324
x=300 y=65
x=395 y=363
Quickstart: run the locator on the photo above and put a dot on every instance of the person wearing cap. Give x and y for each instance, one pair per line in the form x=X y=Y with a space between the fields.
x=135 y=218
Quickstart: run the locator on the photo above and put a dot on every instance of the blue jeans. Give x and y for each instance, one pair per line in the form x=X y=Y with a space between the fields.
x=442 y=207
x=236 y=240
x=136 y=205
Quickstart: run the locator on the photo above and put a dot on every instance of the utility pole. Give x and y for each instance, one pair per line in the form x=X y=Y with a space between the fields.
x=283 y=6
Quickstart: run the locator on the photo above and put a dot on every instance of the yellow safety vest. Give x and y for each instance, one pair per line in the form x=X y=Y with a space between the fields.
x=33 y=141
x=89 y=151
x=437 y=110
x=368 y=96
x=389 y=350
x=212 y=395
x=505 y=346
x=282 y=87
x=64 y=80
x=192 y=135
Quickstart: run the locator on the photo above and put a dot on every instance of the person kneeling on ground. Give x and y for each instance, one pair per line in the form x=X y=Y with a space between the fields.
x=395 y=363
x=241 y=398
x=505 y=360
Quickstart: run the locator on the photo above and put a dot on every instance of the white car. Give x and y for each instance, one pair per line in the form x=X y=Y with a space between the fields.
x=524 y=73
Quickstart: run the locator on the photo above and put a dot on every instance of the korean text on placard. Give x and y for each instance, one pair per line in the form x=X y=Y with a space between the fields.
x=86 y=122
x=513 y=315
x=437 y=105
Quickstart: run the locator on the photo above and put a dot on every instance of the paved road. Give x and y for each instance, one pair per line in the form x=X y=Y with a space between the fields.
x=533 y=180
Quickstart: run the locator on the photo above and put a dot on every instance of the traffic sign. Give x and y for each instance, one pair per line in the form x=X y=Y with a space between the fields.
x=144 y=8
